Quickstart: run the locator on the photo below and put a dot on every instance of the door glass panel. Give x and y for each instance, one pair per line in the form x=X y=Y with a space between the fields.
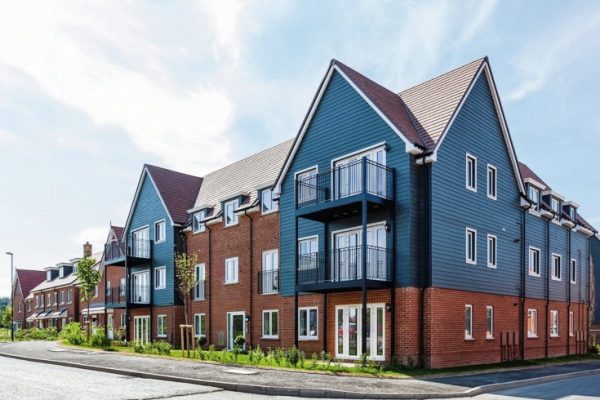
x=340 y=327
x=379 y=330
x=369 y=328
x=352 y=331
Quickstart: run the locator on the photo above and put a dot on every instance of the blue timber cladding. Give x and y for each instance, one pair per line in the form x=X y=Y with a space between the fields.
x=343 y=124
x=476 y=130
x=148 y=210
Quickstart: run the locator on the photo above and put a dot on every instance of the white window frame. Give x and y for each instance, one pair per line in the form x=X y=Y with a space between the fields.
x=122 y=287
x=61 y=272
x=197 y=226
x=494 y=239
x=307 y=310
x=571 y=323
x=162 y=317
x=163 y=224
x=160 y=284
x=469 y=330
x=234 y=204
x=200 y=276
x=489 y=322
x=554 y=325
x=236 y=271
x=573 y=271
x=492 y=195
x=554 y=258
x=554 y=201
x=274 y=256
x=123 y=320
x=535 y=208
x=108 y=288
x=69 y=296
x=531 y=265
x=470 y=157
x=270 y=334
x=532 y=313
x=62 y=297
x=199 y=327
x=468 y=260
x=313 y=195
x=274 y=204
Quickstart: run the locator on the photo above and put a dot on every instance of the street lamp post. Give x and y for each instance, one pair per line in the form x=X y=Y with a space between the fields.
x=12 y=293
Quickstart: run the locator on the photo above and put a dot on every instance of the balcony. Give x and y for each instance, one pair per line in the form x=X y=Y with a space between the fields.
x=116 y=296
x=137 y=251
x=114 y=253
x=339 y=192
x=268 y=282
x=342 y=269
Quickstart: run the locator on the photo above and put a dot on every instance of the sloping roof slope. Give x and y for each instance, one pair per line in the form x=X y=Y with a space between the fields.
x=178 y=190
x=527 y=172
x=245 y=176
x=28 y=279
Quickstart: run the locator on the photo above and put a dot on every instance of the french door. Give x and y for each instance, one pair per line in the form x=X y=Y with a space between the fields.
x=236 y=326
x=140 y=246
x=348 y=174
x=349 y=331
x=140 y=287
x=347 y=256
x=141 y=328
x=110 y=326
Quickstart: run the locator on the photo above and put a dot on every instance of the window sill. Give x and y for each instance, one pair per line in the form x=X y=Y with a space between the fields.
x=554 y=336
x=533 y=337
x=200 y=299
x=231 y=225
x=160 y=241
x=492 y=197
x=534 y=274
x=308 y=338
x=492 y=266
x=198 y=232
x=269 y=294
x=470 y=262
x=270 y=337
x=160 y=288
x=490 y=338
x=469 y=339
x=270 y=212
x=161 y=336
x=556 y=279
x=231 y=283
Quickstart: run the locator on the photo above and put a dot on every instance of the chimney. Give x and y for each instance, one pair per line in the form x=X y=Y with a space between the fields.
x=87 y=250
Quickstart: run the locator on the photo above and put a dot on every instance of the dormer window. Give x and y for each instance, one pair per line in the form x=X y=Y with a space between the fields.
x=268 y=205
x=197 y=224
x=572 y=213
x=555 y=205
x=534 y=196
x=230 y=217
x=61 y=272
x=48 y=276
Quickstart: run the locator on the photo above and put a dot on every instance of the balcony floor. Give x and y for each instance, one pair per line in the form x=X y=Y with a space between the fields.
x=341 y=208
x=342 y=286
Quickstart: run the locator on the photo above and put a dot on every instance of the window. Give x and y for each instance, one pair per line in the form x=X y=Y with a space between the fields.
x=197 y=224
x=199 y=325
x=200 y=279
x=160 y=278
x=140 y=287
x=534 y=261
x=48 y=275
x=160 y=233
x=471 y=246
x=270 y=324
x=61 y=272
x=96 y=291
x=28 y=305
x=270 y=272
x=468 y=322
x=555 y=205
x=268 y=205
x=231 y=270
x=534 y=196
x=489 y=322
x=571 y=324
x=307 y=323
x=471 y=173
x=122 y=284
x=532 y=323
x=108 y=288
x=492 y=251
x=161 y=327
x=553 y=323
x=123 y=320
x=572 y=213
x=492 y=184
x=556 y=267
x=306 y=186
x=231 y=217
x=49 y=299
x=70 y=296
x=308 y=252
x=62 y=297
x=37 y=301
x=573 y=271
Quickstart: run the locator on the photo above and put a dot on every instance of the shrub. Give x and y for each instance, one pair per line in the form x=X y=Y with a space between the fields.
x=315 y=358
x=362 y=361
x=162 y=348
x=279 y=356
x=40 y=334
x=72 y=333
x=139 y=347
x=595 y=349
x=255 y=356
x=211 y=352
x=201 y=341
x=292 y=356
x=99 y=339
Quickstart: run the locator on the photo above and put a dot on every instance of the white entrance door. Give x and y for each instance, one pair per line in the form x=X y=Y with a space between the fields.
x=346 y=263
x=109 y=326
x=141 y=328
x=236 y=326
x=349 y=331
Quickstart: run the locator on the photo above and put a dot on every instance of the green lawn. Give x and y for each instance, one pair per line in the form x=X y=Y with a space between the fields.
x=334 y=367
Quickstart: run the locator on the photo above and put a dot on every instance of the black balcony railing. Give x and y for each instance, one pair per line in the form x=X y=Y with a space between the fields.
x=116 y=295
x=343 y=181
x=268 y=281
x=114 y=250
x=344 y=264
x=139 y=248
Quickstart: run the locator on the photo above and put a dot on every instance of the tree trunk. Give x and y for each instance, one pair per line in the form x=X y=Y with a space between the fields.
x=88 y=322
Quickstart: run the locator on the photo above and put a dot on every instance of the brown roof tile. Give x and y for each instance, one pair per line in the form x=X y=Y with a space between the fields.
x=28 y=279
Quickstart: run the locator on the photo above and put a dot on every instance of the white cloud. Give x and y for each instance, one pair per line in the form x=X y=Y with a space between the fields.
x=95 y=235
x=545 y=57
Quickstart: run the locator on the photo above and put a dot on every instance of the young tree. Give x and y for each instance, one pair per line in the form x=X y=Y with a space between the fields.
x=5 y=316
x=185 y=272
x=88 y=277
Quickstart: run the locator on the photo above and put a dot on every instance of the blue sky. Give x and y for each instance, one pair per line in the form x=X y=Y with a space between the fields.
x=89 y=92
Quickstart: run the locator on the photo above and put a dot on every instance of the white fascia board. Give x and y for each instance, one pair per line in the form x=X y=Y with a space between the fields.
x=572 y=204
x=536 y=183
x=553 y=194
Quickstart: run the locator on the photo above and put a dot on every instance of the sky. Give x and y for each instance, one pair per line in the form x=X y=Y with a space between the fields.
x=90 y=91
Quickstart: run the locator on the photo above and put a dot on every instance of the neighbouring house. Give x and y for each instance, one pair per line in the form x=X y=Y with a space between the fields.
x=408 y=230
x=234 y=232
x=151 y=238
x=595 y=295
x=25 y=280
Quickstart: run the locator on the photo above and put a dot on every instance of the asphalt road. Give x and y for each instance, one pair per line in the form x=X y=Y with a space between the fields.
x=29 y=380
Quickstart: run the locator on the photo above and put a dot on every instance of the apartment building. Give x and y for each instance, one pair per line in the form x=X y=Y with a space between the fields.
x=234 y=232
x=408 y=230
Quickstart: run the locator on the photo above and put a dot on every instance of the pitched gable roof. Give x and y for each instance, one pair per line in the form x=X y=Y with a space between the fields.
x=28 y=279
x=244 y=176
x=433 y=103
x=527 y=173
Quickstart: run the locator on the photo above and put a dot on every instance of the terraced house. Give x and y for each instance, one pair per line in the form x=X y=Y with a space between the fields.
x=152 y=235
x=409 y=230
x=25 y=280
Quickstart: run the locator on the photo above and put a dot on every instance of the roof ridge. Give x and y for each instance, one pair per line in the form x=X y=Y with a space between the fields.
x=481 y=60
x=171 y=170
